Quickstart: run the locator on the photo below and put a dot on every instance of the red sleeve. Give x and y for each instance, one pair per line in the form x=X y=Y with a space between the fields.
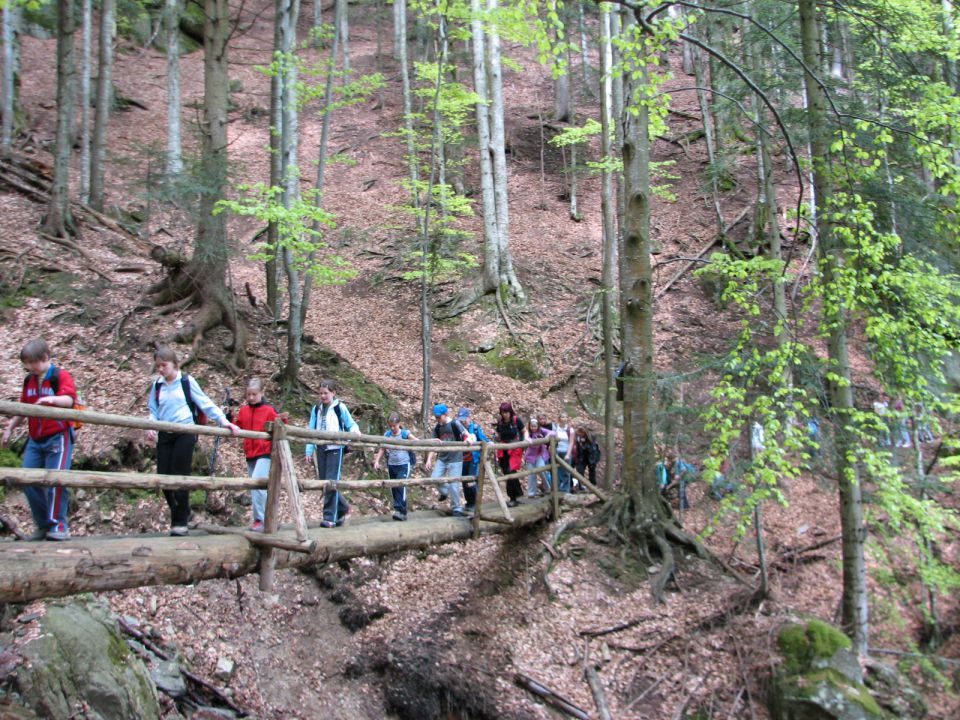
x=271 y=413
x=23 y=389
x=67 y=386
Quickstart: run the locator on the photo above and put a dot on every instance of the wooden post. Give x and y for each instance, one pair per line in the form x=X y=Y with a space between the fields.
x=288 y=477
x=271 y=519
x=481 y=475
x=555 y=476
x=495 y=484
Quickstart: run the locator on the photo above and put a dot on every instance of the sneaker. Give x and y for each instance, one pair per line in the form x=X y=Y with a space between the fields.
x=469 y=508
x=58 y=533
x=460 y=513
x=399 y=516
x=257 y=526
x=179 y=531
x=328 y=524
x=513 y=503
x=37 y=536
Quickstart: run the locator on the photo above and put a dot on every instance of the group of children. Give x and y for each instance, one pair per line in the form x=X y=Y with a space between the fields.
x=176 y=397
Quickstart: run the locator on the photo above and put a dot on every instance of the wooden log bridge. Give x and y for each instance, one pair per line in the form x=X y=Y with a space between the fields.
x=29 y=571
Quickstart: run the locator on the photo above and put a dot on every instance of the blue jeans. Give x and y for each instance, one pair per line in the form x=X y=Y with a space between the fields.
x=450 y=470
x=48 y=505
x=532 y=479
x=335 y=507
x=566 y=479
x=258 y=468
x=399 y=472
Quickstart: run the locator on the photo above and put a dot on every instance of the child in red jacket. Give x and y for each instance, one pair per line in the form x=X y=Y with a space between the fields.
x=254 y=416
x=50 y=442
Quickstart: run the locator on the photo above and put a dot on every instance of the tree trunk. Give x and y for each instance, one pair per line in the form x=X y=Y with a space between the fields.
x=174 y=165
x=203 y=278
x=608 y=210
x=98 y=148
x=835 y=319
x=342 y=23
x=10 y=17
x=499 y=143
x=58 y=221
x=85 y=45
x=288 y=12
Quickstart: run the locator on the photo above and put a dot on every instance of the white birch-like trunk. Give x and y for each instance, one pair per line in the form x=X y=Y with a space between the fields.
x=174 y=139
x=343 y=29
x=491 y=244
x=499 y=144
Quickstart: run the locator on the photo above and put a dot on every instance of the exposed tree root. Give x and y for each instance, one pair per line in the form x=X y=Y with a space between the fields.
x=187 y=284
x=654 y=538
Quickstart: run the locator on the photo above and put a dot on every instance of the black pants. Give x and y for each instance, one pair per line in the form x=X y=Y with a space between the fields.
x=587 y=470
x=175 y=457
x=469 y=488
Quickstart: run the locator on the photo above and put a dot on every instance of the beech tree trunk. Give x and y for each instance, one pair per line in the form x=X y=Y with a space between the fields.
x=10 y=16
x=288 y=12
x=608 y=211
x=835 y=318
x=174 y=141
x=98 y=146
x=59 y=221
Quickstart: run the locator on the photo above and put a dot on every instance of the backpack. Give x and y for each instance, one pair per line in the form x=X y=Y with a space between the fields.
x=54 y=379
x=593 y=453
x=199 y=416
x=339 y=410
x=411 y=455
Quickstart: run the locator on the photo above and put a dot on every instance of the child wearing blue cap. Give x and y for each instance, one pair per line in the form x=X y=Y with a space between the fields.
x=448 y=464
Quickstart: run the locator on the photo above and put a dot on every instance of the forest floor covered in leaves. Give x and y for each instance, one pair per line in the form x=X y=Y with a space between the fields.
x=439 y=633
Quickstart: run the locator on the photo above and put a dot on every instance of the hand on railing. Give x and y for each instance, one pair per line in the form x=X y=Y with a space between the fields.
x=150 y=435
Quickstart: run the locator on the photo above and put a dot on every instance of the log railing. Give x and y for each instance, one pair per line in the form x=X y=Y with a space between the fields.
x=283 y=478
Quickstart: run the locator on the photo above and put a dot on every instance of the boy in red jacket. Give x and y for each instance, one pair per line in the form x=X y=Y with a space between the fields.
x=50 y=442
x=254 y=416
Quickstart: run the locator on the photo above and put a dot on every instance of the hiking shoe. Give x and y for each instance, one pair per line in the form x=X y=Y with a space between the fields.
x=37 y=535
x=513 y=503
x=469 y=508
x=179 y=531
x=257 y=526
x=58 y=533
x=328 y=524
x=399 y=516
x=460 y=513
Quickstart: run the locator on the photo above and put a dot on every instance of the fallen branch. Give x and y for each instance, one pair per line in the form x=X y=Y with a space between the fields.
x=550 y=697
x=903 y=653
x=164 y=655
x=599 y=696
x=70 y=245
x=617 y=628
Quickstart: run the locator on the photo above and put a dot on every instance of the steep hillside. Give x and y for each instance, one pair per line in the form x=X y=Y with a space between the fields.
x=441 y=633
